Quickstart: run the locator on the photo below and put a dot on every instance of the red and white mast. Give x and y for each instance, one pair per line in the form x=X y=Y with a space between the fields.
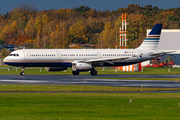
x=120 y=38
x=125 y=31
x=122 y=31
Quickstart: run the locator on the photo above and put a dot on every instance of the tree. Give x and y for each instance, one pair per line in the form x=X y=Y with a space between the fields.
x=78 y=30
x=1 y=41
x=30 y=28
x=22 y=39
x=82 y=9
x=132 y=8
x=95 y=27
x=4 y=53
x=137 y=25
x=108 y=36
x=38 y=26
x=172 y=18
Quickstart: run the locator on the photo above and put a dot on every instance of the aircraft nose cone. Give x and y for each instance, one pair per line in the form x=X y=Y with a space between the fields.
x=4 y=60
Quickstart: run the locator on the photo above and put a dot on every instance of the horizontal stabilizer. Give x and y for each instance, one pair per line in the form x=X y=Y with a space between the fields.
x=159 y=53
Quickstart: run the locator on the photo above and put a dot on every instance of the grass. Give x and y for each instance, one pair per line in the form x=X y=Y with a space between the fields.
x=89 y=106
x=74 y=88
x=146 y=71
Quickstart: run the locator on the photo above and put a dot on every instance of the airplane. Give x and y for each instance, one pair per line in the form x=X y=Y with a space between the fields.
x=86 y=59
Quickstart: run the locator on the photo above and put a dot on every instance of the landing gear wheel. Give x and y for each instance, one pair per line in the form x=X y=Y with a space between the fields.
x=93 y=72
x=21 y=73
x=75 y=72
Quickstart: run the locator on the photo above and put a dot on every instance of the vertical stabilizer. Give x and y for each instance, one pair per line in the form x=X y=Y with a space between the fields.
x=152 y=40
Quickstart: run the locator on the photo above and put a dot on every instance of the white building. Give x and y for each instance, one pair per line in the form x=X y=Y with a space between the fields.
x=170 y=40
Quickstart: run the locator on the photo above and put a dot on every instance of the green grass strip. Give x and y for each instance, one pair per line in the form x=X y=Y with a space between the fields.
x=74 y=88
x=90 y=106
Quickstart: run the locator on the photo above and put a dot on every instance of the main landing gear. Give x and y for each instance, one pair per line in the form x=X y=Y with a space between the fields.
x=75 y=72
x=92 y=72
x=22 y=73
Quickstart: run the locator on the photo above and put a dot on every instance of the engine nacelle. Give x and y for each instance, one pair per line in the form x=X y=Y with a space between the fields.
x=81 y=66
x=55 y=68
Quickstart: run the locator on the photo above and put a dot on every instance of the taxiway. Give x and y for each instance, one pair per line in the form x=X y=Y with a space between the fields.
x=92 y=80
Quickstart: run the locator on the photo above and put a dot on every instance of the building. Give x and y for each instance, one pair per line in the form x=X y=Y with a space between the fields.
x=170 y=40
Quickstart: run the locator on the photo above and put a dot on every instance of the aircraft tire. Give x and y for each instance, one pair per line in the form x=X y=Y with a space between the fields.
x=93 y=72
x=21 y=73
x=75 y=72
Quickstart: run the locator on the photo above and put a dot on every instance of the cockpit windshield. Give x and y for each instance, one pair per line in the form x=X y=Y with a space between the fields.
x=17 y=55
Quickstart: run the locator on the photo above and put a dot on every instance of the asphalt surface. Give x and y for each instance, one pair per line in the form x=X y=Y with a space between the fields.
x=92 y=80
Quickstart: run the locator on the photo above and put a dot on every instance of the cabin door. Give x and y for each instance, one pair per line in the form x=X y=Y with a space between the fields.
x=58 y=55
x=98 y=55
x=26 y=55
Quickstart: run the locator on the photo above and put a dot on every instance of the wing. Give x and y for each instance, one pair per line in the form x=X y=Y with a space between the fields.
x=100 y=62
x=106 y=59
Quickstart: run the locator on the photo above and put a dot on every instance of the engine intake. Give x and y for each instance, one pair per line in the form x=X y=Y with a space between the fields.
x=55 y=68
x=81 y=66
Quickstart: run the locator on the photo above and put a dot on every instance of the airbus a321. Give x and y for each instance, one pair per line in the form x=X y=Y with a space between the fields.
x=86 y=59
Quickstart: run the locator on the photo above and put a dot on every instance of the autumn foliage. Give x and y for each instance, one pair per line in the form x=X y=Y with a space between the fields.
x=81 y=25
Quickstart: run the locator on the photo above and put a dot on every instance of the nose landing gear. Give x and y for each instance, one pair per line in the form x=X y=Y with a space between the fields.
x=22 y=73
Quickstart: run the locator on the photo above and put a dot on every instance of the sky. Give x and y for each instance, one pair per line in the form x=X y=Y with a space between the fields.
x=102 y=5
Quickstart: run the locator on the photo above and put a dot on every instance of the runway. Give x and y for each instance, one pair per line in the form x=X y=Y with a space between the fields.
x=92 y=80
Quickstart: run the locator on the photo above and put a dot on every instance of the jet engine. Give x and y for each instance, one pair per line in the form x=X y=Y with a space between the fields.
x=55 y=68
x=81 y=66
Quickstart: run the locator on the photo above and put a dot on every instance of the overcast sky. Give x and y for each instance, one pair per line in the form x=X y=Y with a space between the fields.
x=8 y=5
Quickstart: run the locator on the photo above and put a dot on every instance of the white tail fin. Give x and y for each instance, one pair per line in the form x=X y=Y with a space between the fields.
x=152 y=40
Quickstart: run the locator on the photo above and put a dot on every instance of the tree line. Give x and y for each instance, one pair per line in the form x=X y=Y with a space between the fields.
x=81 y=25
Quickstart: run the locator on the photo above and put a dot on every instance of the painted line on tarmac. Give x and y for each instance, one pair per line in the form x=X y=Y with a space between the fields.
x=23 y=81
x=170 y=91
x=36 y=81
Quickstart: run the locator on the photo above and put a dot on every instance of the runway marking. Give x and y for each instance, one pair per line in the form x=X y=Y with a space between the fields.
x=21 y=81
x=36 y=81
